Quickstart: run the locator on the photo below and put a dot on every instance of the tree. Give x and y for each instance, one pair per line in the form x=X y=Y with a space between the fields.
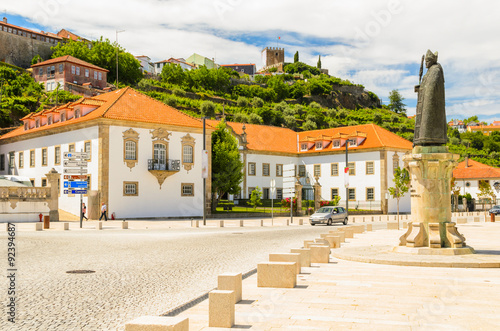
x=255 y=198
x=296 y=57
x=173 y=73
x=396 y=102
x=401 y=181
x=319 y=62
x=486 y=192
x=227 y=167
x=207 y=109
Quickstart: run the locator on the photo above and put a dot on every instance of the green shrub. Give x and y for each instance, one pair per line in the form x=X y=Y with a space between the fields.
x=331 y=112
x=171 y=101
x=255 y=119
x=241 y=118
x=242 y=102
x=257 y=102
x=342 y=114
x=352 y=123
x=290 y=122
x=179 y=92
x=309 y=125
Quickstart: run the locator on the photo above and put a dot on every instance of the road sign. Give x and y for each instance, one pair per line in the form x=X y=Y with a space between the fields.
x=79 y=184
x=74 y=163
x=80 y=171
x=75 y=191
x=273 y=187
x=75 y=177
x=76 y=155
x=289 y=180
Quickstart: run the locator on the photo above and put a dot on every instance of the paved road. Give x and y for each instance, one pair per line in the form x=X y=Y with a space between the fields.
x=137 y=272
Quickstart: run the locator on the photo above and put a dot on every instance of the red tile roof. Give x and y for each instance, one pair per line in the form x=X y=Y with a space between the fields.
x=71 y=59
x=126 y=104
x=282 y=140
x=475 y=170
x=236 y=64
x=45 y=34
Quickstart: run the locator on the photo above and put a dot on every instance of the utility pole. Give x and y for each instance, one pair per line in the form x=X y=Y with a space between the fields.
x=204 y=176
x=346 y=173
x=117 y=32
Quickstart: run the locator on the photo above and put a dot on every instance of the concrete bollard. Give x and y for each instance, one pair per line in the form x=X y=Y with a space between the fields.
x=462 y=220
x=286 y=257
x=307 y=243
x=358 y=229
x=220 y=224
x=405 y=225
x=158 y=323
x=277 y=274
x=231 y=282
x=333 y=240
x=221 y=309
x=339 y=233
x=38 y=226
x=124 y=225
x=99 y=226
x=477 y=219
x=373 y=218
x=301 y=222
x=241 y=223
x=261 y=223
x=195 y=224
x=369 y=227
x=65 y=226
x=354 y=220
x=321 y=241
x=349 y=232
x=287 y=222
x=320 y=253
x=305 y=256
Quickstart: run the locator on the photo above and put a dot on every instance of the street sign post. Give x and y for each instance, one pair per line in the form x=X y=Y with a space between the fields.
x=76 y=163
x=75 y=177
x=75 y=191
x=76 y=155
x=80 y=171
x=289 y=185
x=273 y=190
x=75 y=184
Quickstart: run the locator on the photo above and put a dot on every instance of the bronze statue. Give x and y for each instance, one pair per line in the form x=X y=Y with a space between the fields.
x=430 y=122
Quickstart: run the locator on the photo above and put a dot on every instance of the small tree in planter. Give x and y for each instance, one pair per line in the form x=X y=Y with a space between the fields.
x=401 y=181
x=255 y=198
x=285 y=203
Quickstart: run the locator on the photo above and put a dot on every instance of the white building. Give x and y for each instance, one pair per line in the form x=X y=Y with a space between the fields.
x=158 y=66
x=468 y=173
x=373 y=155
x=145 y=157
x=146 y=64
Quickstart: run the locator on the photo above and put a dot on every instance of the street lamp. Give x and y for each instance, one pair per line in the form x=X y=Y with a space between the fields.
x=346 y=178
x=117 y=32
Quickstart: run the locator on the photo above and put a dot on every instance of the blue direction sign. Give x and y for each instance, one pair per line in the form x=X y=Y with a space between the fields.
x=75 y=184
x=75 y=191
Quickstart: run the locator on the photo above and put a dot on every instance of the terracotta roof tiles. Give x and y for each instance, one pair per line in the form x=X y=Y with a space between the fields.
x=69 y=58
x=475 y=170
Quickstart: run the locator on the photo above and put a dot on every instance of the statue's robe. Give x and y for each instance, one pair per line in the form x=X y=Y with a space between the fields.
x=430 y=122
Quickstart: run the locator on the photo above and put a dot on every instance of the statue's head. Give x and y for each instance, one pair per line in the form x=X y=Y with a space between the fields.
x=430 y=58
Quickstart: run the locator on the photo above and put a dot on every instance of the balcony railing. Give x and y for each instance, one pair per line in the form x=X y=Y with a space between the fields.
x=168 y=165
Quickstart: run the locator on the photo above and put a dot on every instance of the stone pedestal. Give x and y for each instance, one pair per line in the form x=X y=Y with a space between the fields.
x=430 y=169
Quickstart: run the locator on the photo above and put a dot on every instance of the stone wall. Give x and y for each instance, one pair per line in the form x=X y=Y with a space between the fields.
x=20 y=50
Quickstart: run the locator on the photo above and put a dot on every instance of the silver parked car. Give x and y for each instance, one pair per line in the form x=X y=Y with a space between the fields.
x=495 y=210
x=329 y=215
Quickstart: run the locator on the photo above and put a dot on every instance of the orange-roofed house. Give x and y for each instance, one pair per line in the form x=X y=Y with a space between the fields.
x=74 y=75
x=485 y=129
x=144 y=157
x=468 y=173
x=374 y=153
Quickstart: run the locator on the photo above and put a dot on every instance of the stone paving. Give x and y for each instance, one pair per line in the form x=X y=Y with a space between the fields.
x=344 y=295
x=148 y=269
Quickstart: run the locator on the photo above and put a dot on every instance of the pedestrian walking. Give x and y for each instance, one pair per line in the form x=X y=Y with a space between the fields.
x=103 y=212
x=84 y=211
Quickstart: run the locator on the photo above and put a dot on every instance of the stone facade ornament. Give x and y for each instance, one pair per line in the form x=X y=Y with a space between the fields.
x=130 y=135
x=160 y=134
x=188 y=140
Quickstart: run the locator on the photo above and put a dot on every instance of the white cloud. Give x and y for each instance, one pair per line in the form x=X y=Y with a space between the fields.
x=382 y=37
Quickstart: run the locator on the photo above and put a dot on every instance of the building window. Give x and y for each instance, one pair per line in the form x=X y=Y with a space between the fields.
x=32 y=181
x=32 y=158
x=63 y=117
x=334 y=169
x=87 y=148
x=302 y=170
x=37 y=123
x=279 y=193
x=71 y=148
x=77 y=113
x=188 y=151
x=44 y=182
x=26 y=126
x=57 y=155
x=317 y=170
x=21 y=160
x=265 y=193
x=250 y=190
x=352 y=142
x=130 y=188
x=130 y=150
x=52 y=71
x=49 y=120
x=87 y=72
x=251 y=168
x=78 y=71
x=73 y=70
x=395 y=162
x=370 y=194
x=335 y=193
x=187 y=154
x=265 y=169
x=100 y=76
x=160 y=155
x=95 y=74
x=319 y=145
x=352 y=194
x=61 y=66
x=352 y=168
x=12 y=162
x=279 y=170
x=370 y=168
x=44 y=156
x=303 y=147
x=187 y=190
x=40 y=72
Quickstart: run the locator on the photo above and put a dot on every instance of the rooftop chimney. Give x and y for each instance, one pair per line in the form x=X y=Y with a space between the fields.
x=5 y=19
x=466 y=161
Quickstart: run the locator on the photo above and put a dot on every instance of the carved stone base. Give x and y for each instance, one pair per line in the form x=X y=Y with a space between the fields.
x=161 y=175
x=422 y=234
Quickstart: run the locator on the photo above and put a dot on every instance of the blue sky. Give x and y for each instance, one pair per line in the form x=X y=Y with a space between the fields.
x=377 y=43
